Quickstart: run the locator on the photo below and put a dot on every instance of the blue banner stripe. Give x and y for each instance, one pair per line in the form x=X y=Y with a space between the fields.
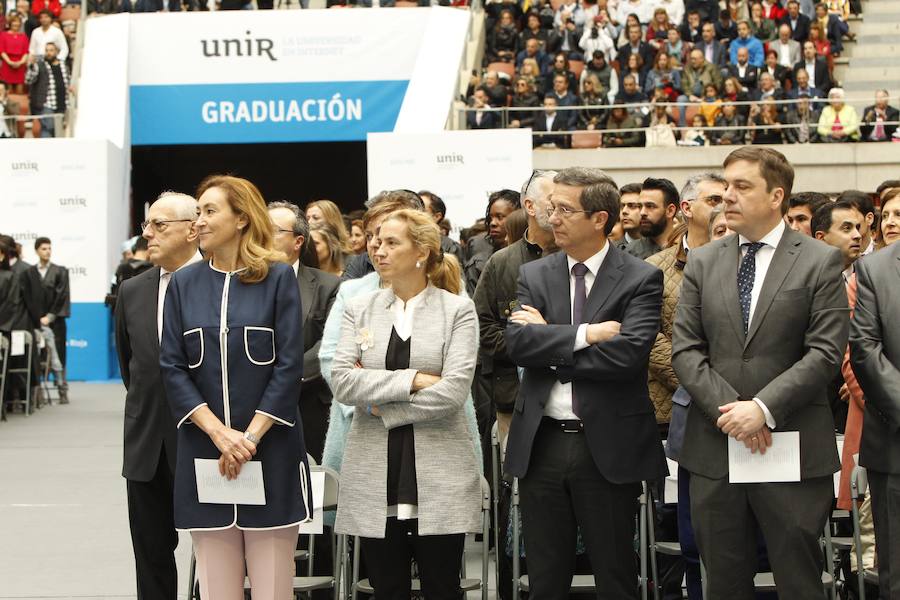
x=263 y=112
x=89 y=344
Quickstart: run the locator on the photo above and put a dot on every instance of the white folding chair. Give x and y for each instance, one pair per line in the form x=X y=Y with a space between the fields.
x=581 y=584
x=466 y=584
x=859 y=482
x=4 y=357
x=25 y=371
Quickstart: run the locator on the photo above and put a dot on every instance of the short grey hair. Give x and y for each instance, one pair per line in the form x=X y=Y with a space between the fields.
x=690 y=190
x=599 y=193
x=185 y=206
x=301 y=225
x=836 y=93
x=539 y=185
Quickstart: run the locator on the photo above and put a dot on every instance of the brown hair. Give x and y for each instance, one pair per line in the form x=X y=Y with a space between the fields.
x=255 y=251
x=335 y=250
x=515 y=224
x=334 y=219
x=773 y=167
x=443 y=270
x=390 y=202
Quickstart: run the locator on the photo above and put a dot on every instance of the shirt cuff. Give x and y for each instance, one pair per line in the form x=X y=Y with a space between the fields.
x=770 y=420
x=581 y=338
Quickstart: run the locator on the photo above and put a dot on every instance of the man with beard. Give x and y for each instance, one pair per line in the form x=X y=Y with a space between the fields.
x=630 y=215
x=659 y=205
x=496 y=293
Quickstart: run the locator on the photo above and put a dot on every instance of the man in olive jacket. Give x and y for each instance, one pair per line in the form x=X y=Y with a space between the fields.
x=495 y=294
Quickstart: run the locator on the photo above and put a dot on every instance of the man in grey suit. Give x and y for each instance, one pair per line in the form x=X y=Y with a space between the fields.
x=760 y=331
x=875 y=356
x=318 y=290
x=583 y=432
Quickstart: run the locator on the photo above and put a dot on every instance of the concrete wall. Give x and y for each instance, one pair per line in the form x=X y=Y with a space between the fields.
x=828 y=168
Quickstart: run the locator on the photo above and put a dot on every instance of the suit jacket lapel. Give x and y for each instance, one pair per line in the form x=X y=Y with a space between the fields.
x=308 y=284
x=149 y=294
x=782 y=262
x=559 y=299
x=604 y=282
x=730 y=258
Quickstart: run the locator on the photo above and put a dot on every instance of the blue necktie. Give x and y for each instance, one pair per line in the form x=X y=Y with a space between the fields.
x=579 y=270
x=745 y=279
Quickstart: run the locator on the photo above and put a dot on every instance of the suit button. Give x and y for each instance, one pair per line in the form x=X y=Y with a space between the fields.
x=746 y=359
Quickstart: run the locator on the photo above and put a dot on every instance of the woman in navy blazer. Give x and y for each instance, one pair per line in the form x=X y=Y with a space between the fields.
x=232 y=360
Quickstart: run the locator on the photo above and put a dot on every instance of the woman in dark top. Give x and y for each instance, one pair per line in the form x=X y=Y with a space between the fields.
x=232 y=358
x=502 y=40
x=525 y=96
x=765 y=133
x=405 y=361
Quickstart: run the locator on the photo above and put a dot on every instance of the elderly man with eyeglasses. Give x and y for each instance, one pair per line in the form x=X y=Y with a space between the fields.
x=149 y=444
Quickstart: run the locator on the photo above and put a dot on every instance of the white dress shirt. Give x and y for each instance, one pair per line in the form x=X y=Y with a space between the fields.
x=559 y=404
x=39 y=39
x=784 y=55
x=763 y=260
x=550 y=120
x=811 y=71
x=164 y=278
x=42 y=269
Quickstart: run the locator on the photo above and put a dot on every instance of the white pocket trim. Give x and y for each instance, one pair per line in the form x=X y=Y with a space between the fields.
x=247 y=346
x=202 y=346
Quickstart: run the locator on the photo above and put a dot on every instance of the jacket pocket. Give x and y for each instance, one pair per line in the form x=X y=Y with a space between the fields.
x=194 y=347
x=259 y=344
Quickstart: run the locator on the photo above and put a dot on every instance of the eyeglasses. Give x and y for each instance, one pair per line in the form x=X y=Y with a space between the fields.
x=277 y=230
x=159 y=225
x=565 y=212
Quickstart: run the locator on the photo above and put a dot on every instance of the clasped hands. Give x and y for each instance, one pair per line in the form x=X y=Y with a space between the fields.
x=745 y=422
x=235 y=449
x=594 y=334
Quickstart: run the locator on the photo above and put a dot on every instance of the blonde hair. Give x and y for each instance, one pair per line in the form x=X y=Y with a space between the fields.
x=255 y=249
x=442 y=270
x=333 y=217
x=335 y=250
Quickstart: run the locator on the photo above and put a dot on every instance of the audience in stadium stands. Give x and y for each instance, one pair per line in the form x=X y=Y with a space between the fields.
x=9 y=109
x=621 y=119
x=47 y=32
x=48 y=78
x=802 y=86
x=873 y=127
x=815 y=67
x=14 y=55
x=746 y=73
x=713 y=50
x=805 y=116
x=735 y=122
x=839 y=121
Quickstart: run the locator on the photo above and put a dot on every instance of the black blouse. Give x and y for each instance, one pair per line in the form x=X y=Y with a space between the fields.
x=401 y=472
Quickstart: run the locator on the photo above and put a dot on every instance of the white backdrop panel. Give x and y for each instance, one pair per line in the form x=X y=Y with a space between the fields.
x=462 y=167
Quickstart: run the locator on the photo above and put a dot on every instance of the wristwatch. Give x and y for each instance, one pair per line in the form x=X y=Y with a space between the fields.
x=251 y=438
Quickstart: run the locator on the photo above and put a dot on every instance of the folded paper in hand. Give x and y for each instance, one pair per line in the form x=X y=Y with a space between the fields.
x=214 y=488
x=780 y=463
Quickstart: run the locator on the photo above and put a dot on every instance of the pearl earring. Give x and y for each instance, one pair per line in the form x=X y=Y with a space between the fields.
x=418 y=265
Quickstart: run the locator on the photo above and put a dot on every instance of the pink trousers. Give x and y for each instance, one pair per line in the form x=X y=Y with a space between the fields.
x=269 y=557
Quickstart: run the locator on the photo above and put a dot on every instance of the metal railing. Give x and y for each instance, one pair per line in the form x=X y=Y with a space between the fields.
x=647 y=108
x=57 y=118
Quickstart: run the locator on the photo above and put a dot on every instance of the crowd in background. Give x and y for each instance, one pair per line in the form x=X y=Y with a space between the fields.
x=757 y=72
x=34 y=303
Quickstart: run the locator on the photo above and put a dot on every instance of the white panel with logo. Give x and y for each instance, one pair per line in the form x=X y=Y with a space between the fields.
x=60 y=189
x=462 y=167
x=279 y=76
